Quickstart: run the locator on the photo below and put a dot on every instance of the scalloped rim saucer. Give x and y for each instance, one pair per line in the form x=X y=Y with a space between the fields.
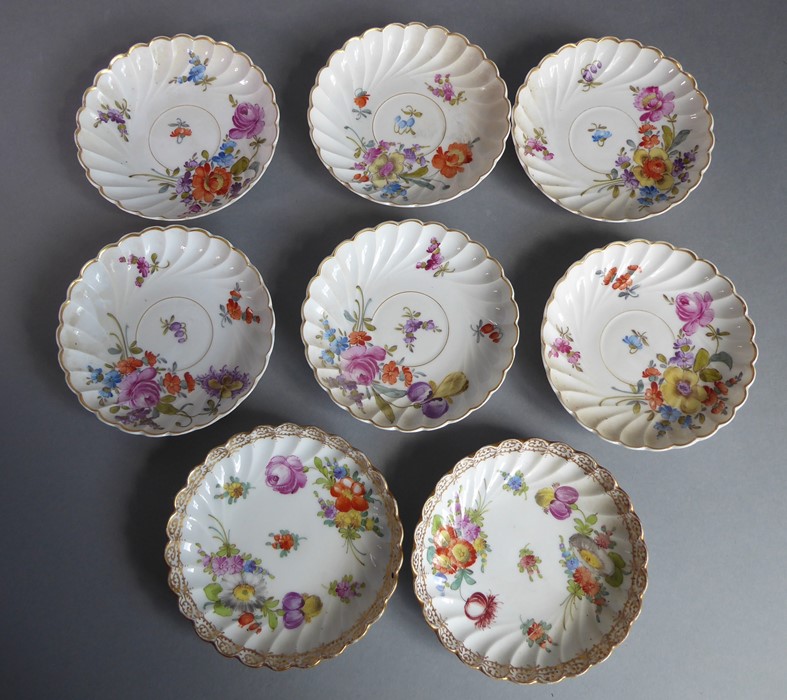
x=613 y=146
x=177 y=128
x=152 y=347
x=655 y=349
x=285 y=547
x=410 y=325
x=402 y=139
x=529 y=561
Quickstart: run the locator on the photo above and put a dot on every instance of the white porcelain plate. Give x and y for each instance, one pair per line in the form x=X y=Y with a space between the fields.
x=529 y=561
x=284 y=547
x=409 y=115
x=165 y=331
x=177 y=128
x=410 y=325
x=612 y=130
x=648 y=345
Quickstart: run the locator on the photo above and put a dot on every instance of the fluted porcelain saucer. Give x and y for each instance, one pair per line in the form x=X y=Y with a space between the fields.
x=409 y=115
x=410 y=325
x=612 y=130
x=285 y=546
x=529 y=561
x=177 y=128
x=165 y=331
x=648 y=345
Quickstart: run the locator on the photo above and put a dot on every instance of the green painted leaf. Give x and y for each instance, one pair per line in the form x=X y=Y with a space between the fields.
x=114 y=409
x=722 y=357
x=617 y=560
x=205 y=155
x=457 y=583
x=420 y=172
x=240 y=166
x=437 y=523
x=668 y=135
x=114 y=351
x=702 y=360
x=592 y=519
x=390 y=391
x=166 y=408
x=430 y=554
x=318 y=463
x=220 y=609
x=212 y=591
x=385 y=407
x=615 y=579
x=452 y=384
x=661 y=358
x=709 y=374
x=636 y=408
x=168 y=399
x=681 y=137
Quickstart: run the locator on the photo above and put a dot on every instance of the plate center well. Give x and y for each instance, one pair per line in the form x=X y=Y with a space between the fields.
x=630 y=341
x=413 y=322
x=180 y=132
x=410 y=119
x=598 y=134
x=177 y=328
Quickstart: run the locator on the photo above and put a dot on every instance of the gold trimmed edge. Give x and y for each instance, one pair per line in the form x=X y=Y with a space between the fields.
x=718 y=274
x=423 y=224
x=662 y=56
x=208 y=632
x=95 y=260
x=361 y=37
x=528 y=675
x=127 y=54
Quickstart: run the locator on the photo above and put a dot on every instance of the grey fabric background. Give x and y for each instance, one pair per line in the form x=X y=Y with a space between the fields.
x=86 y=608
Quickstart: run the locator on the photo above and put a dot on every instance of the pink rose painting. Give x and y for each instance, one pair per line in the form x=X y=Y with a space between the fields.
x=694 y=310
x=285 y=474
x=361 y=363
x=140 y=389
x=248 y=121
x=654 y=104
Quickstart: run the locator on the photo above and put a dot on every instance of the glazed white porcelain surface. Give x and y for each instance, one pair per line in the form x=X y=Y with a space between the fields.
x=177 y=128
x=529 y=561
x=409 y=115
x=165 y=331
x=285 y=546
x=648 y=345
x=612 y=130
x=410 y=325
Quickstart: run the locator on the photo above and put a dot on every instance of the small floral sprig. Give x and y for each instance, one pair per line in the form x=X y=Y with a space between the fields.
x=528 y=562
x=589 y=74
x=177 y=328
x=233 y=490
x=346 y=589
x=515 y=483
x=180 y=131
x=562 y=346
x=144 y=267
x=444 y=89
x=412 y=325
x=361 y=99
x=197 y=73
x=537 y=633
x=599 y=134
x=487 y=329
x=284 y=542
x=232 y=311
x=119 y=114
x=536 y=145
x=435 y=261
x=622 y=283
x=404 y=125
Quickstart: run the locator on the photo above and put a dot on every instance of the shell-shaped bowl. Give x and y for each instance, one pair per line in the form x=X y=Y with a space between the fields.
x=648 y=345
x=165 y=331
x=409 y=115
x=410 y=325
x=612 y=130
x=177 y=128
